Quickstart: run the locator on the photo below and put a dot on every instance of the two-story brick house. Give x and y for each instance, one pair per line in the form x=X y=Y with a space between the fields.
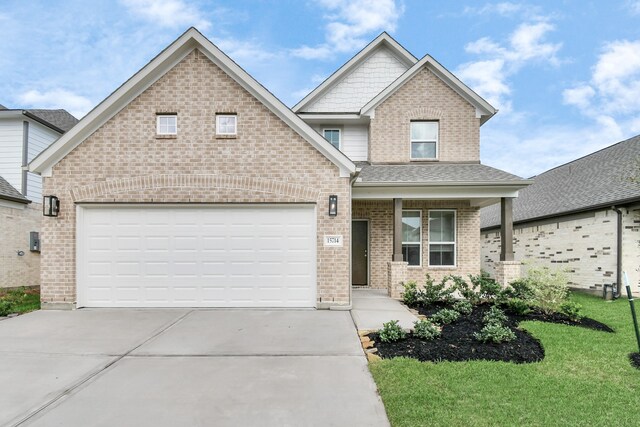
x=192 y=185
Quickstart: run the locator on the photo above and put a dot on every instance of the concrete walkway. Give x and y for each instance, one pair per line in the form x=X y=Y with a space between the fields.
x=176 y=367
x=373 y=307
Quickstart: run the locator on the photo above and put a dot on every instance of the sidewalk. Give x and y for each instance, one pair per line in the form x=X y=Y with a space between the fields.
x=373 y=307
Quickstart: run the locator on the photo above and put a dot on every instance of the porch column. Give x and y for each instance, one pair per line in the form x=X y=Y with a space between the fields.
x=506 y=229
x=397 y=230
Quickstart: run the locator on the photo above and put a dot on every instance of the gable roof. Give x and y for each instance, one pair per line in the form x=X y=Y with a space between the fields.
x=7 y=192
x=598 y=180
x=383 y=39
x=156 y=68
x=484 y=110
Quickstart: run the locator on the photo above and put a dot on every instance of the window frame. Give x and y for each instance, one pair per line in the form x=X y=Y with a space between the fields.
x=437 y=140
x=324 y=129
x=454 y=243
x=164 y=116
x=419 y=243
x=218 y=126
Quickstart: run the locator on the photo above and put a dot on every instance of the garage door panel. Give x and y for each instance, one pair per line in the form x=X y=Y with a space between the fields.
x=197 y=257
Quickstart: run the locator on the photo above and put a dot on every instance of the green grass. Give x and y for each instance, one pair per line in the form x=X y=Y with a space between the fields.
x=19 y=300
x=586 y=379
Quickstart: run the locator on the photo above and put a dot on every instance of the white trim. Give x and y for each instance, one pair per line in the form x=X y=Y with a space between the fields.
x=368 y=250
x=226 y=116
x=163 y=116
x=334 y=128
x=150 y=73
x=483 y=108
x=411 y=141
x=80 y=255
x=383 y=39
x=454 y=243
x=419 y=240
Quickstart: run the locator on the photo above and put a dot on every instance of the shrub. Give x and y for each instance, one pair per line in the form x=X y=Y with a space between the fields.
x=425 y=330
x=410 y=294
x=466 y=291
x=6 y=307
x=518 y=306
x=445 y=316
x=391 y=331
x=496 y=333
x=494 y=316
x=521 y=289
x=549 y=288
x=463 y=307
x=572 y=309
x=488 y=289
x=435 y=292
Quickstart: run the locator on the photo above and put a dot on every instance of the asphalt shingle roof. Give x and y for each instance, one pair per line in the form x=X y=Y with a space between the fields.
x=592 y=181
x=7 y=192
x=59 y=118
x=434 y=173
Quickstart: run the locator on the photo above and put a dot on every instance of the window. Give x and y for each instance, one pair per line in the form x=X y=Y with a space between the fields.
x=226 y=124
x=424 y=140
x=442 y=238
x=412 y=237
x=167 y=124
x=333 y=136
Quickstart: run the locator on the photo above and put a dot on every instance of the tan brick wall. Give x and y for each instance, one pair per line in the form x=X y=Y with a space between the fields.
x=15 y=225
x=380 y=216
x=123 y=161
x=459 y=137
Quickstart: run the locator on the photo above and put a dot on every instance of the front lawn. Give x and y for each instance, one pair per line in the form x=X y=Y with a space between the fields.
x=19 y=301
x=585 y=379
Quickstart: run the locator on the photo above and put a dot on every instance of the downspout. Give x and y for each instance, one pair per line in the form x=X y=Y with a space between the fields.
x=618 y=290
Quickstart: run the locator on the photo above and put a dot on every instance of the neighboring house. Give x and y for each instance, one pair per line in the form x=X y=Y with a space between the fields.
x=192 y=185
x=23 y=135
x=583 y=217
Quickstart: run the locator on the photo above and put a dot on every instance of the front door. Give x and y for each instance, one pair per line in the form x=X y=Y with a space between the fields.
x=359 y=253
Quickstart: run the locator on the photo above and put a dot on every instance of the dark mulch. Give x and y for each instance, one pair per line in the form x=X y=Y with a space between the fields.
x=635 y=360
x=457 y=342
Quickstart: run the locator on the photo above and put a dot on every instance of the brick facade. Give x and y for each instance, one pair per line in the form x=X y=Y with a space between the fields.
x=124 y=161
x=380 y=216
x=424 y=97
x=15 y=225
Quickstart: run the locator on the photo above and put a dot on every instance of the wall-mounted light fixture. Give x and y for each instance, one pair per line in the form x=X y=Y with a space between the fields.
x=333 y=205
x=50 y=206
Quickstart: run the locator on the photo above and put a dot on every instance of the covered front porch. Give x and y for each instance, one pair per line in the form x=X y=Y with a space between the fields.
x=402 y=230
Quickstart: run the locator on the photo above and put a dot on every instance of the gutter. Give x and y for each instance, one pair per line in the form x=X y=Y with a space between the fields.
x=618 y=291
x=15 y=199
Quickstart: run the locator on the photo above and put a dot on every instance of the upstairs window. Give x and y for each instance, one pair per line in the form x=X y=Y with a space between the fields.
x=333 y=136
x=412 y=237
x=167 y=124
x=424 y=140
x=226 y=124
x=442 y=238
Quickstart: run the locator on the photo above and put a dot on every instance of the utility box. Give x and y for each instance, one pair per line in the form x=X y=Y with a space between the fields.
x=34 y=241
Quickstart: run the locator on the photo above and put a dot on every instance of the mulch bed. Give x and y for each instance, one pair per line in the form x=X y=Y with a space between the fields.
x=457 y=342
x=635 y=360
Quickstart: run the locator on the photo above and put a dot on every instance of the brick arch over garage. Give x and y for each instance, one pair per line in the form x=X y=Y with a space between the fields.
x=194 y=188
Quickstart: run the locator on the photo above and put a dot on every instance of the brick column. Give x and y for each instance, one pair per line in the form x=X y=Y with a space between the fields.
x=397 y=274
x=507 y=271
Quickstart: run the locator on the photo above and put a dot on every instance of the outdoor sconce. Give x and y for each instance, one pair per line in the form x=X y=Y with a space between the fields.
x=333 y=205
x=50 y=206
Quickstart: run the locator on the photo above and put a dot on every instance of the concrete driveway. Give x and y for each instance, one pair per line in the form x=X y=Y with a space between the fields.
x=175 y=367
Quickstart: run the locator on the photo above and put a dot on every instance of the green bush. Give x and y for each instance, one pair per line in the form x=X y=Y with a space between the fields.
x=410 y=294
x=466 y=291
x=445 y=316
x=425 y=330
x=435 y=292
x=549 y=288
x=391 y=331
x=572 y=309
x=496 y=333
x=463 y=307
x=521 y=289
x=6 y=307
x=494 y=316
x=488 y=289
x=518 y=306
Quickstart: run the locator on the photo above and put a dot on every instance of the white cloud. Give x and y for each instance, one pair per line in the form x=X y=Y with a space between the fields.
x=504 y=9
x=77 y=105
x=349 y=24
x=634 y=6
x=243 y=50
x=169 y=13
x=489 y=75
x=614 y=87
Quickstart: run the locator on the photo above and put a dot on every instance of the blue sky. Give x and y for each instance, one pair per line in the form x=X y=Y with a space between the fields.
x=565 y=75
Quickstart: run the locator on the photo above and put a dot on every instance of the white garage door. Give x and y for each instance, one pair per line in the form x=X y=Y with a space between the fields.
x=245 y=256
